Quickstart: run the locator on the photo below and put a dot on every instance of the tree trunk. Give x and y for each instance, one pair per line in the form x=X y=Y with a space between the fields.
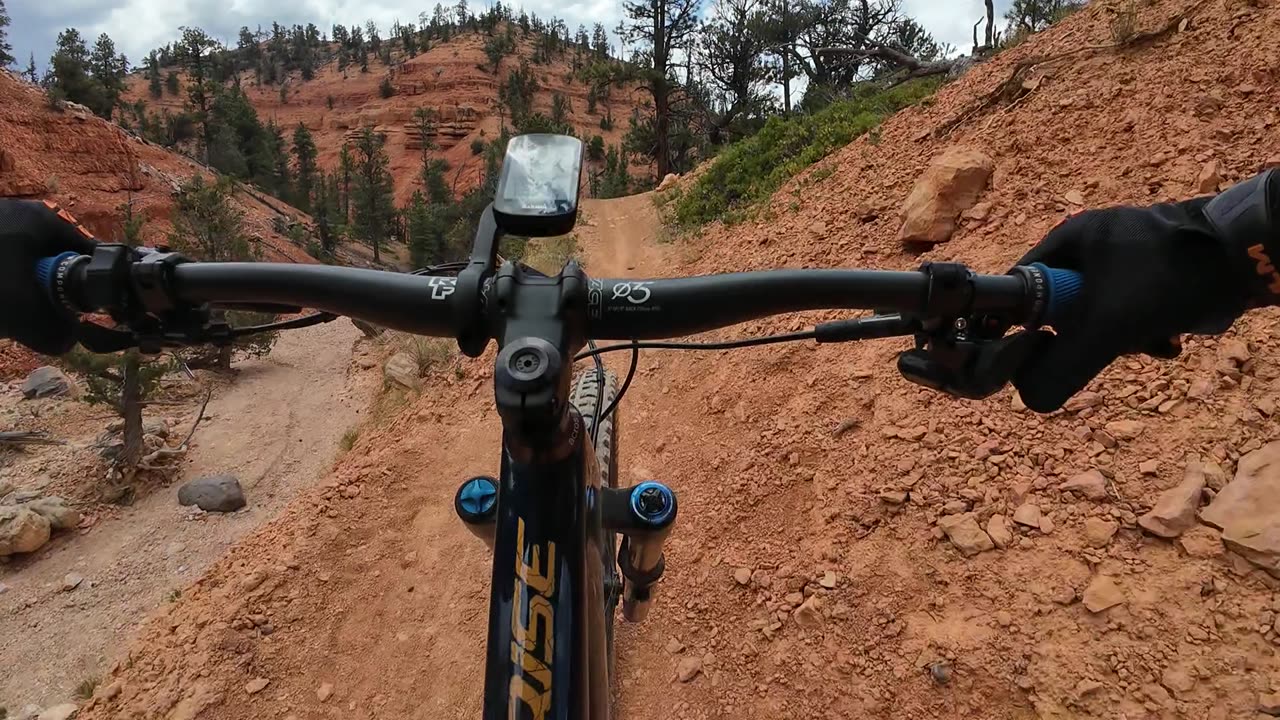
x=131 y=410
x=991 y=23
x=662 y=126
x=786 y=84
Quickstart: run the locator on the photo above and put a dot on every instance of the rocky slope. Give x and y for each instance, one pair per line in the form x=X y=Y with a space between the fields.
x=446 y=79
x=850 y=545
x=92 y=168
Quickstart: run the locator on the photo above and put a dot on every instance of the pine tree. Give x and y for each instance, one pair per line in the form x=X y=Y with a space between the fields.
x=345 y=169
x=194 y=51
x=30 y=73
x=373 y=191
x=6 y=50
x=427 y=226
x=69 y=77
x=153 y=76
x=304 y=154
x=109 y=70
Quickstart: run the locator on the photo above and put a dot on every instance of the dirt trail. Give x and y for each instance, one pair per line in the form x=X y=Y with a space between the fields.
x=276 y=428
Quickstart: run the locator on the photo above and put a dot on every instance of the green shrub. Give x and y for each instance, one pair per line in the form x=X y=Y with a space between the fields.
x=477 y=146
x=749 y=171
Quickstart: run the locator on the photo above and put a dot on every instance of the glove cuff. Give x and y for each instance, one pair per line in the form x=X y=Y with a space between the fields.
x=1244 y=220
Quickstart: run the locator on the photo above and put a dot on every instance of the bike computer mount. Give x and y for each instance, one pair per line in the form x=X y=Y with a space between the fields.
x=532 y=316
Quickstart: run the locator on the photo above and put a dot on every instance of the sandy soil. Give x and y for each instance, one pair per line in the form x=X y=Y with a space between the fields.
x=276 y=428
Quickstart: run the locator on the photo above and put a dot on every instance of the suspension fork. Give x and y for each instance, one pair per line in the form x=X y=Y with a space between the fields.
x=644 y=514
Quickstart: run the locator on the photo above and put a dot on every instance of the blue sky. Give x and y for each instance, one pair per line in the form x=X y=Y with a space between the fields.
x=137 y=26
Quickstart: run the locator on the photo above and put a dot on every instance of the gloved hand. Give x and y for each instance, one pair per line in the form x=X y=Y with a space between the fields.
x=1149 y=275
x=30 y=230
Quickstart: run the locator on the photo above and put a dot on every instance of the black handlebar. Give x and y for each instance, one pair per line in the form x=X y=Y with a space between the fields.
x=615 y=308
x=621 y=309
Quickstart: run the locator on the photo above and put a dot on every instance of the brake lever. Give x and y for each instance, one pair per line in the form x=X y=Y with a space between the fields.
x=968 y=368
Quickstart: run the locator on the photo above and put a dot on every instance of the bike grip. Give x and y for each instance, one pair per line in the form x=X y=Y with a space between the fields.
x=1062 y=294
x=47 y=274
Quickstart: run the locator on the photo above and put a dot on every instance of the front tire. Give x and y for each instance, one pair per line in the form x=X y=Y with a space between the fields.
x=587 y=395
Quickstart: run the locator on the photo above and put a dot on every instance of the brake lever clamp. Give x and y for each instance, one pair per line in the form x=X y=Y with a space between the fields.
x=964 y=367
x=962 y=354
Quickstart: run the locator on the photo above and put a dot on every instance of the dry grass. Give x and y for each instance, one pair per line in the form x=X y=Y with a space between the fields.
x=349 y=439
x=85 y=689
x=428 y=353
x=549 y=255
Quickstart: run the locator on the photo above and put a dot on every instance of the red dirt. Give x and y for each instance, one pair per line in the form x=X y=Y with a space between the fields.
x=383 y=594
x=445 y=79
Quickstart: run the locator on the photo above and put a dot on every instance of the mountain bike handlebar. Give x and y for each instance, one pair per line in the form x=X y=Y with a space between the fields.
x=615 y=308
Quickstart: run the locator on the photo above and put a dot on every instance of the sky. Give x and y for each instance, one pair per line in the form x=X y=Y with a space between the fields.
x=138 y=26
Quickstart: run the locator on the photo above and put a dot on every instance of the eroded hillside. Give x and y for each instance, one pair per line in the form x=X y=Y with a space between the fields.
x=453 y=79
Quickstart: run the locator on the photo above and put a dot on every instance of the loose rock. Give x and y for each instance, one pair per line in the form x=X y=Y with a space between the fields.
x=893 y=497
x=324 y=692
x=48 y=381
x=1091 y=485
x=828 y=579
x=999 y=531
x=256 y=685
x=1247 y=510
x=1177 y=680
x=1102 y=593
x=1269 y=703
x=215 y=493
x=71 y=581
x=402 y=370
x=1082 y=401
x=1210 y=178
x=22 y=530
x=951 y=184
x=742 y=576
x=964 y=533
x=1098 y=531
x=688 y=668
x=1202 y=542
x=1175 y=511
x=55 y=510
x=1125 y=429
x=1027 y=514
x=809 y=614
x=1149 y=467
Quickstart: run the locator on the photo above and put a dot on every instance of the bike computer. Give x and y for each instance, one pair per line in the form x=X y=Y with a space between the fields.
x=538 y=190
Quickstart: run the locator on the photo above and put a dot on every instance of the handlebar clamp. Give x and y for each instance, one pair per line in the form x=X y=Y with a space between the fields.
x=950 y=290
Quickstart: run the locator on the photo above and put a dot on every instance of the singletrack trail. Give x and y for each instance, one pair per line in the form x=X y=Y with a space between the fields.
x=275 y=427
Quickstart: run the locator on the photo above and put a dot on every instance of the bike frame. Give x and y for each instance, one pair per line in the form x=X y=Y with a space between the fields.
x=546 y=657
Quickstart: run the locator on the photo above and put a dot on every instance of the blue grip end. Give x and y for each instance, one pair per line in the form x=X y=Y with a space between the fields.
x=1063 y=294
x=47 y=273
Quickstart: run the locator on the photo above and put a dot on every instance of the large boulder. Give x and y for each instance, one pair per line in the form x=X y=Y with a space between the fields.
x=55 y=510
x=22 y=530
x=951 y=184
x=48 y=381
x=402 y=370
x=1247 y=510
x=215 y=493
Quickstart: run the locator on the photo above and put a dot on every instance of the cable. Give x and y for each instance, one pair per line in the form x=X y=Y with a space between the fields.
x=729 y=345
x=597 y=416
x=631 y=372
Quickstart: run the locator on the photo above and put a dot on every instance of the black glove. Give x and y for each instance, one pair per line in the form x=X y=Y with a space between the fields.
x=1149 y=275
x=31 y=230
